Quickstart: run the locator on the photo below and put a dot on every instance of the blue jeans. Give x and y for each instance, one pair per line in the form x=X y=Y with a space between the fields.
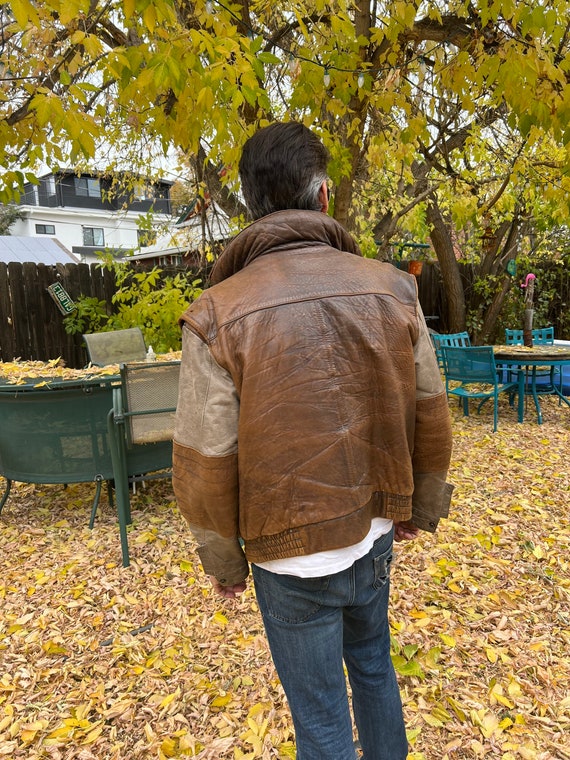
x=312 y=624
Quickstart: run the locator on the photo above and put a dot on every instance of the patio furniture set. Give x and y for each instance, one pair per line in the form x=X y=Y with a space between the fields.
x=484 y=373
x=115 y=429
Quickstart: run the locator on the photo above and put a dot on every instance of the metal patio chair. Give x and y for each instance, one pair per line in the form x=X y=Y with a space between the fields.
x=141 y=427
x=448 y=339
x=56 y=433
x=115 y=346
x=541 y=336
x=474 y=368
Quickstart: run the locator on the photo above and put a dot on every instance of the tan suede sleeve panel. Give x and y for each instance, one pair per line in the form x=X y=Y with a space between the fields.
x=204 y=460
x=208 y=405
x=221 y=557
x=428 y=376
x=432 y=438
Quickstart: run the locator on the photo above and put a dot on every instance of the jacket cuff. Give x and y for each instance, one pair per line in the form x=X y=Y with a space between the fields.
x=221 y=557
x=431 y=500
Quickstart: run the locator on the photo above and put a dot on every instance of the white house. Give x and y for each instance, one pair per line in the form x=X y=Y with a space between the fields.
x=88 y=213
x=198 y=228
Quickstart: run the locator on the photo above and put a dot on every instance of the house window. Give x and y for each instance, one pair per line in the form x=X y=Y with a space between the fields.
x=146 y=237
x=173 y=260
x=143 y=192
x=87 y=187
x=45 y=229
x=93 y=236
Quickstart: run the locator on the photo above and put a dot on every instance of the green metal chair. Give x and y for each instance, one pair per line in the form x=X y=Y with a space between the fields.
x=448 y=339
x=474 y=368
x=141 y=427
x=96 y=430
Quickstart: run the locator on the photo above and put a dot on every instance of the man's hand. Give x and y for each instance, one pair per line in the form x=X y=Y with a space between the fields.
x=405 y=531
x=228 y=592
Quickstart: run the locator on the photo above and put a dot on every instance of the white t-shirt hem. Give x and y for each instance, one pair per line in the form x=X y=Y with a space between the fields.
x=331 y=561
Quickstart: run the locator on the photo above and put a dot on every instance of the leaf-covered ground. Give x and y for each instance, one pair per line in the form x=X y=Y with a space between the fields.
x=99 y=662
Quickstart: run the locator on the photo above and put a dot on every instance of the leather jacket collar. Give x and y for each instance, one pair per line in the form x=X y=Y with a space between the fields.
x=280 y=231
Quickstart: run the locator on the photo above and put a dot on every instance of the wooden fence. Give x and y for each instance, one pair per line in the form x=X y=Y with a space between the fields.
x=31 y=323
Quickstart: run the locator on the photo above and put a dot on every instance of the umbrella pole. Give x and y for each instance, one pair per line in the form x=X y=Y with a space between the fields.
x=528 y=310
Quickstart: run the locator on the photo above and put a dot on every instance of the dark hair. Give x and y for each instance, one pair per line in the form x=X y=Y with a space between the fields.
x=282 y=166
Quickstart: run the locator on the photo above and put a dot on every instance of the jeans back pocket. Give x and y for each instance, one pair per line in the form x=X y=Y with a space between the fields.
x=382 y=568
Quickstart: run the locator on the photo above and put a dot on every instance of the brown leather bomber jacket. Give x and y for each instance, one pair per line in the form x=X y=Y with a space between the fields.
x=310 y=399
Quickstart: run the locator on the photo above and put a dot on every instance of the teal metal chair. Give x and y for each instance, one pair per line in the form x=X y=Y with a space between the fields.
x=475 y=371
x=542 y=336
x=141 y=427
x=96 y=430
x=448 y=339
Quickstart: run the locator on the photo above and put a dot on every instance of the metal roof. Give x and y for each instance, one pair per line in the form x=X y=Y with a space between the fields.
x=37 y=250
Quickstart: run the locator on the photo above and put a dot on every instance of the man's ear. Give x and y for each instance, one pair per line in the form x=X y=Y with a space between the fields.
x=324 y=197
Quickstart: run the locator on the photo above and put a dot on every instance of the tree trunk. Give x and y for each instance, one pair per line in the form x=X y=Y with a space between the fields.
x=443 y=246
x=493 y=311
x=343 y=200
x=358 y=108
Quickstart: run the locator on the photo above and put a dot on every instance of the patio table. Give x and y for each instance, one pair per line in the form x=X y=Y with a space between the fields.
x=56 y=432
x=531 y=358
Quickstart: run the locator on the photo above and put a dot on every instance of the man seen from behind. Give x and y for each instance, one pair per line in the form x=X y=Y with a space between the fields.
x=312 y=430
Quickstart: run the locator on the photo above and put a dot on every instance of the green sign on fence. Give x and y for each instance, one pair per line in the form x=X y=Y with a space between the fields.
x=61 y=297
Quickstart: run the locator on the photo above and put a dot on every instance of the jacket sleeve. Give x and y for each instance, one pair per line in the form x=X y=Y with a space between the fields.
x=204 y=460
x=432 y=439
